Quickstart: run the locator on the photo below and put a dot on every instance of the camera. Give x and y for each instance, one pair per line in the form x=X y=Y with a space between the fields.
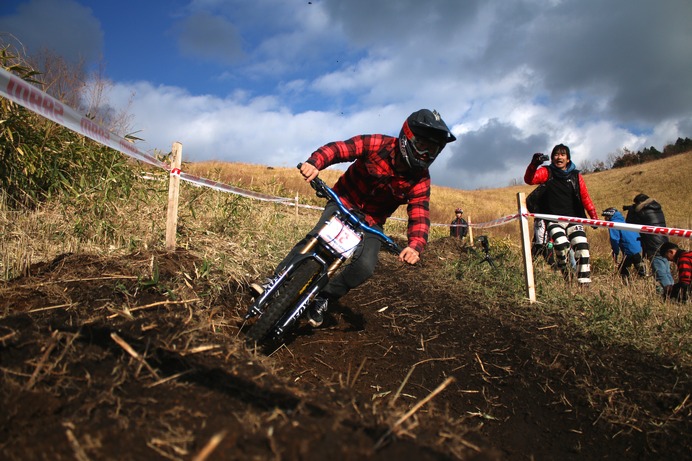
x=483 y=240
x=627 y=207
x=544 y=158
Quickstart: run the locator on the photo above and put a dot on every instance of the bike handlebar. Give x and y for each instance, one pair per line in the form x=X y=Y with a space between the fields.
x=323 y=190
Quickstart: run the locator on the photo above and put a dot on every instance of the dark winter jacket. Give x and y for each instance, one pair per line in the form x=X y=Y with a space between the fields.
x=650 y=213
x=459 y=228
x=627 y=241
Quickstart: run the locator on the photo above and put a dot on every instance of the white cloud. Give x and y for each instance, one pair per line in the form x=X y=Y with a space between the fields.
x=510 y=78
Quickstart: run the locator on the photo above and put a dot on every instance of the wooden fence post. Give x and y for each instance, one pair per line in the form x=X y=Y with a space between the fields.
x=526 y=248
x=173 y=194
x=296 y=204
x=470 y=231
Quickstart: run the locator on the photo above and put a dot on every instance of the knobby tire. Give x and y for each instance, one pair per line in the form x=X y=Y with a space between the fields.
x=285 y=299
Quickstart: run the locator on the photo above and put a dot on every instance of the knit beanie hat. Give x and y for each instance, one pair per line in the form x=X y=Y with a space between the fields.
x=640 y=198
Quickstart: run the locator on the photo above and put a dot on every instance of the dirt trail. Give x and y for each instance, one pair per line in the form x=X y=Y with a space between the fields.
x=98 y=364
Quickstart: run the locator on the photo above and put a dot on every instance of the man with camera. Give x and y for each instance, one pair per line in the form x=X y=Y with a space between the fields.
x=647 y=211
x=565 y=195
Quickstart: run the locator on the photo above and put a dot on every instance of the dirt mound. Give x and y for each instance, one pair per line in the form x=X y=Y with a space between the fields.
x=142 y=357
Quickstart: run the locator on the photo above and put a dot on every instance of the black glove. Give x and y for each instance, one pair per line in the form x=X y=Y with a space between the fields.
x=538 y=158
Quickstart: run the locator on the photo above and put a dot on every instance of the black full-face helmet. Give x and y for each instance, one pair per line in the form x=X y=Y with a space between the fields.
x=422 y=138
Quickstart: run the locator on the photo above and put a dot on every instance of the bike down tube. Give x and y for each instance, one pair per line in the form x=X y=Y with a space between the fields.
x=353 y=219
x=318 y=183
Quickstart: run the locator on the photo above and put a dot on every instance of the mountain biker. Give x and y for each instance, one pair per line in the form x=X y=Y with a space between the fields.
x=386 y=172
x=565 y=195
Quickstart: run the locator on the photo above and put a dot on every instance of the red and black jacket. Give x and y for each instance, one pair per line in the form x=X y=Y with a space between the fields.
x=372 y=186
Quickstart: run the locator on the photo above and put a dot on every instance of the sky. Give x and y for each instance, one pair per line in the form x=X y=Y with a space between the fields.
x=270 y=81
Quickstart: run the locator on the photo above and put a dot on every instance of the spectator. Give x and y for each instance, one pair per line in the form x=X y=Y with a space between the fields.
x=626 y=242
x=647 y=211
x=566 y=195
x=683 y=260
x=459 y=227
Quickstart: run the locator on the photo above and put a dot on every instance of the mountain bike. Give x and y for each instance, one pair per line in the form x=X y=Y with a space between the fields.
x=288 y=295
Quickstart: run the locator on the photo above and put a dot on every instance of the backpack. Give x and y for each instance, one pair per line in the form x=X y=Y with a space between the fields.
x=535 y=198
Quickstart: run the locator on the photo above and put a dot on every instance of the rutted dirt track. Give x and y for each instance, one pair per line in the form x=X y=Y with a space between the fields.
x=98 y=362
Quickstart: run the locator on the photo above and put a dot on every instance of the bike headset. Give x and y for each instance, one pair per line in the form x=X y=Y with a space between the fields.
x=423 y=137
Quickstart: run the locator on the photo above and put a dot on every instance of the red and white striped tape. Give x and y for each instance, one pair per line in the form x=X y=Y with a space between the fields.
x=669 y=231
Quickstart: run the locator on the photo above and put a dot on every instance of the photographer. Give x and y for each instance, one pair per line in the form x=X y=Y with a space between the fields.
x=565 y=195
x=647 y=211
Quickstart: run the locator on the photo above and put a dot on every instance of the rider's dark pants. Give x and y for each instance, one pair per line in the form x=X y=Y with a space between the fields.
x=360 y=267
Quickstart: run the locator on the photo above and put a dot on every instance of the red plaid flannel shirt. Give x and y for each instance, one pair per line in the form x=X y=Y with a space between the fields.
x=371 y=185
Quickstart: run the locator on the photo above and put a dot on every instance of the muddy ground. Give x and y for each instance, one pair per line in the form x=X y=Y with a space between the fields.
x=142 y=358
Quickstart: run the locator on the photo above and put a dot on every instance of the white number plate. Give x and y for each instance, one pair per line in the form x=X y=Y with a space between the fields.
x=340 y=237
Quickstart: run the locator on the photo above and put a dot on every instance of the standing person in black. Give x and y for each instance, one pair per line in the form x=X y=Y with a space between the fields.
x=459 y=227
x=647 y=211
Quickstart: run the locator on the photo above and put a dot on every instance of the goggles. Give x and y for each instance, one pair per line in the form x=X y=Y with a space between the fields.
x=425 y=147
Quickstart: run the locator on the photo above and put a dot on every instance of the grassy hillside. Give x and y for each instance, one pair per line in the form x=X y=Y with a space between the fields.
x=667 y=180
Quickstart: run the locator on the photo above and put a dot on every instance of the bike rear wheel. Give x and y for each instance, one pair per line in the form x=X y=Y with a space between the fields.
x=262 y=331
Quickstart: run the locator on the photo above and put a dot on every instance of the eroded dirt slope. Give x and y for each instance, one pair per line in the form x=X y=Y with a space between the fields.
x=99 y=363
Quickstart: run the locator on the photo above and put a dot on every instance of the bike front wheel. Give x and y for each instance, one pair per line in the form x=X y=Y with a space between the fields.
x=288 y=293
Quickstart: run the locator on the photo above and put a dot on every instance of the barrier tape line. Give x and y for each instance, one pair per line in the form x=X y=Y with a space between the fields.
x=26 y=95
x=645 y=229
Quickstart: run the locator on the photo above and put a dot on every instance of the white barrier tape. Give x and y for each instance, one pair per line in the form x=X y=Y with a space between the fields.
x=495 y=223
x=26 y=95
x=30 y=97
x=669 y=231
x=235 y=190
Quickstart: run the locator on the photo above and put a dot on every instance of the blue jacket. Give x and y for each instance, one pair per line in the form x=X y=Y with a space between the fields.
x=627 y=241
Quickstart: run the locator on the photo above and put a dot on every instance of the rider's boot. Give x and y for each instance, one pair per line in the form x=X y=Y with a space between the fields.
x=316 y=311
